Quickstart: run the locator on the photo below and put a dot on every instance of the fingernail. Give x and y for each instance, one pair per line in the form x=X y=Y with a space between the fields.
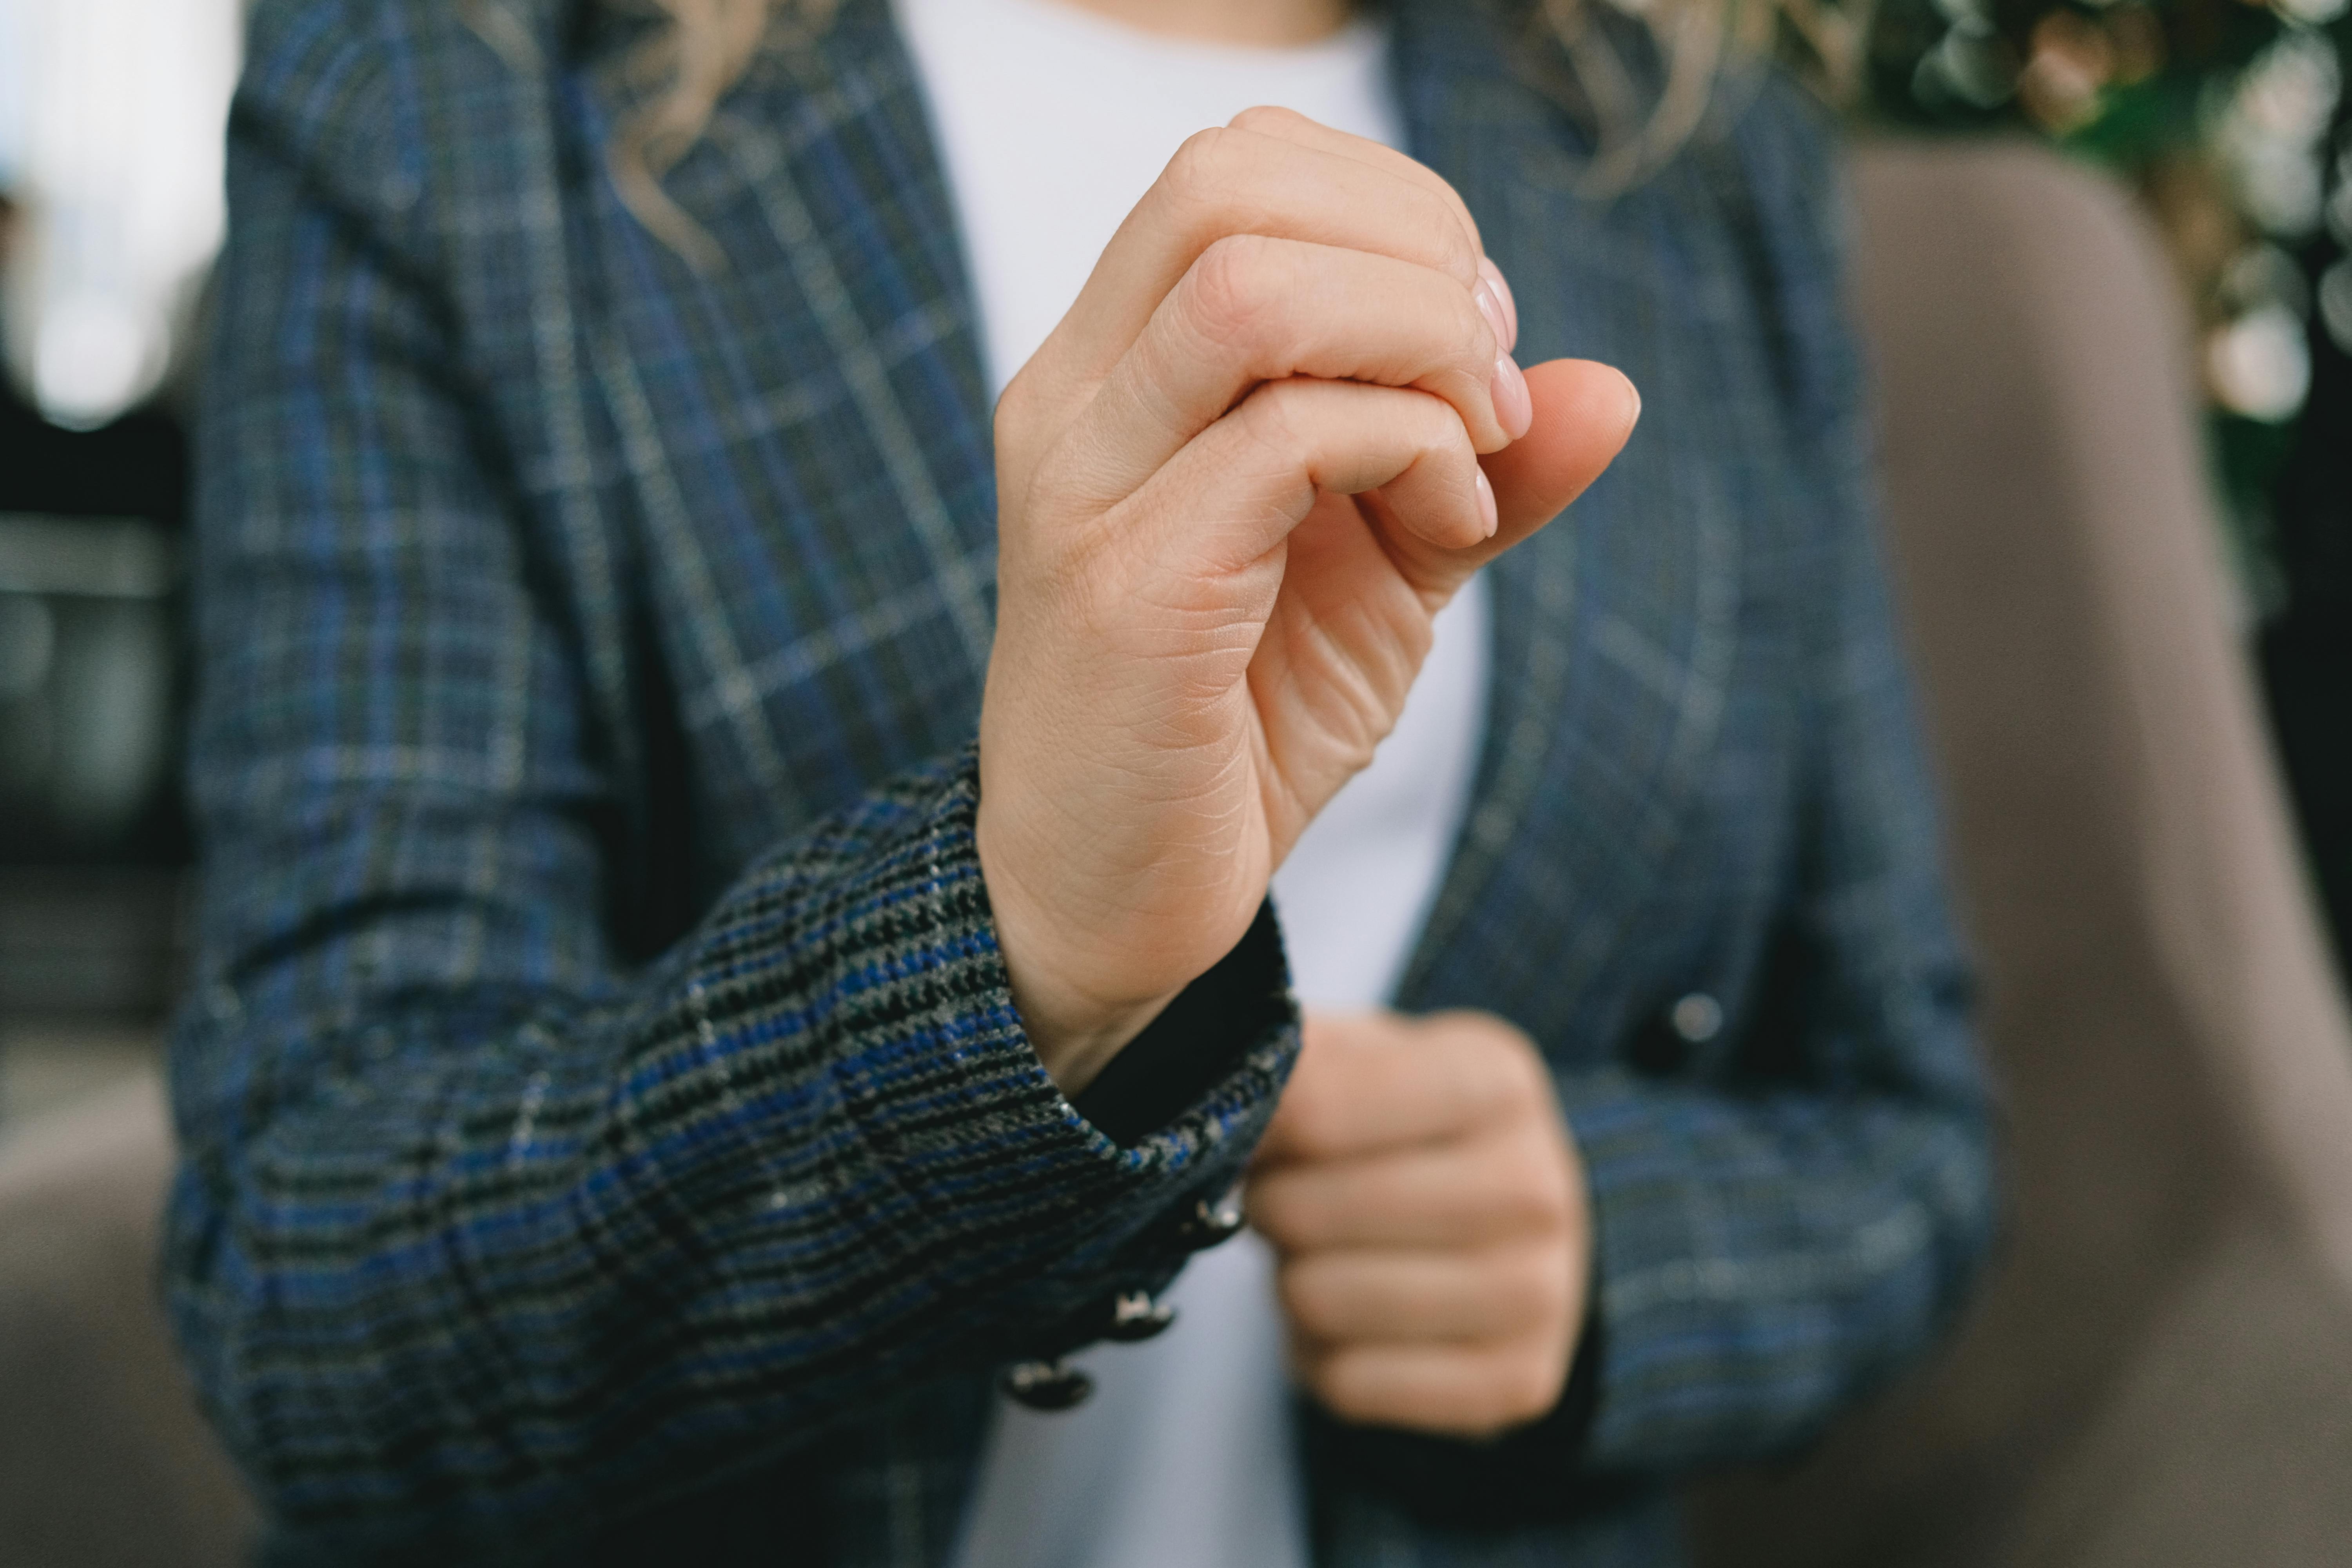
x=1502 y=287
x=1512 y=405
x=1486 y=508
x=1491 y=307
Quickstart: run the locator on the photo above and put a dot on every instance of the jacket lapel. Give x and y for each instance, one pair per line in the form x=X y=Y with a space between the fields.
x=1614 y=628
x=803 y=428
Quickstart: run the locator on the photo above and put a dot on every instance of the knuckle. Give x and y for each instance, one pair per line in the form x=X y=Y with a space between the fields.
x=1458 y=212
x=1277 y=1212
x=1548 y=1290
x=1533 y=1387
x=1015 y=408
x=1266 y=119
x=1465 y=1029
x=1342 y=1382
x=1196 y=176
x=1334 y=1390
x=1477 y=346
x=1420 y=419
x=1518 y=1065
x=1518 y=1387
x=1312 y=1298
x=1490 y=1074
x=1276 y=411
x=1540 y=1193
x=1327 y=1089
x=1537 y=1090
x=1523 y=1291
x=1319 y=1128
x=1529 y=1157
x=1521 y=1208
x=1456 y=254
x=1229 y=290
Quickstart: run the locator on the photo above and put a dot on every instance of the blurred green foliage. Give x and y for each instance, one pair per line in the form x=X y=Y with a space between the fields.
x=2225 y=116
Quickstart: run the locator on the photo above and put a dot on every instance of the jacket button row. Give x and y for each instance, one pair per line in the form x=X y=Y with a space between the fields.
x=1210 y=1224
x=1135 y=1316
x=1045 y=1384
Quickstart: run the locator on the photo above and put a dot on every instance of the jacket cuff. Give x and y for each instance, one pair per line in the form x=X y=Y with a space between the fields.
x=1197 y=1039
x=983 y=1184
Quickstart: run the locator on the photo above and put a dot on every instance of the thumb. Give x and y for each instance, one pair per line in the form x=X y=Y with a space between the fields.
x=1584 y=412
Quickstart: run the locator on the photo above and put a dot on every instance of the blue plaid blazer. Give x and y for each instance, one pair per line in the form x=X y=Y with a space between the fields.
x=606 y=1129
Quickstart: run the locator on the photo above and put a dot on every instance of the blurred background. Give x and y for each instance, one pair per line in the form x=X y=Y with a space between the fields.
x=110 y=124
x=2229 y=121
x=2135 y=627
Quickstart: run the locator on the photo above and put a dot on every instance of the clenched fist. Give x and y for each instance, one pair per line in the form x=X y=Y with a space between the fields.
x=1278 y=429
x=1431 y=1217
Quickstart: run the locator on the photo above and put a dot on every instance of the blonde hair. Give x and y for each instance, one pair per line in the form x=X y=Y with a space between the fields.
x=1641 y=104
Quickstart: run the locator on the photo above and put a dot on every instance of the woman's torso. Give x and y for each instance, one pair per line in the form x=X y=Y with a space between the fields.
x=758 y=500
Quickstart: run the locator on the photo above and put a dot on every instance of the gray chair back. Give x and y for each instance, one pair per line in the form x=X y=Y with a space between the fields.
x=2159 y=1370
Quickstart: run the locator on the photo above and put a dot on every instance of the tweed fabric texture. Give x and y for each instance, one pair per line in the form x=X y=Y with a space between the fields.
x=605 y=1121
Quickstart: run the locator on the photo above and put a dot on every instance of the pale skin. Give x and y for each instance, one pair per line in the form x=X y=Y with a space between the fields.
x=1278 y=430
x=1431 y=1217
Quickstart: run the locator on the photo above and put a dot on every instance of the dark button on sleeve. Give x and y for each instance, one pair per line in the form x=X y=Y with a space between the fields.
x=1135 y=1317
x=1045 y=1384
x=1208 y=1224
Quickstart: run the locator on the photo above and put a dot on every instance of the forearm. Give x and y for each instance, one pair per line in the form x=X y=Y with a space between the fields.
x=808 y=1161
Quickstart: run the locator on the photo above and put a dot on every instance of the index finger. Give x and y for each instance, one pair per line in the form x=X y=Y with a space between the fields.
x=1584 y=413
x=1371 y=1081
x=1236 y=181
x=1289 y=125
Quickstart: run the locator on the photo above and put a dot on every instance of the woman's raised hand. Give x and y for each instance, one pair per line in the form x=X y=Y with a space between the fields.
x=1234 y=488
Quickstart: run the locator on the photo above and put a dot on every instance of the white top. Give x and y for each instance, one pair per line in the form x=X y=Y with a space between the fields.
x=1053 y=123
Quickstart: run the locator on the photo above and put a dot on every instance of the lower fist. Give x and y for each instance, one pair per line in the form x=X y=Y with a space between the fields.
x=1431 y=1217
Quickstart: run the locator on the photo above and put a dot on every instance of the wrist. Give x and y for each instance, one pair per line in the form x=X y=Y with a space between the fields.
x=1074 y=1029
x=1074 y=1035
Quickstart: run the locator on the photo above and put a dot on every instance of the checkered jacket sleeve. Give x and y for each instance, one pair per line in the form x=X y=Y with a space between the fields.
x=479 y=1228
